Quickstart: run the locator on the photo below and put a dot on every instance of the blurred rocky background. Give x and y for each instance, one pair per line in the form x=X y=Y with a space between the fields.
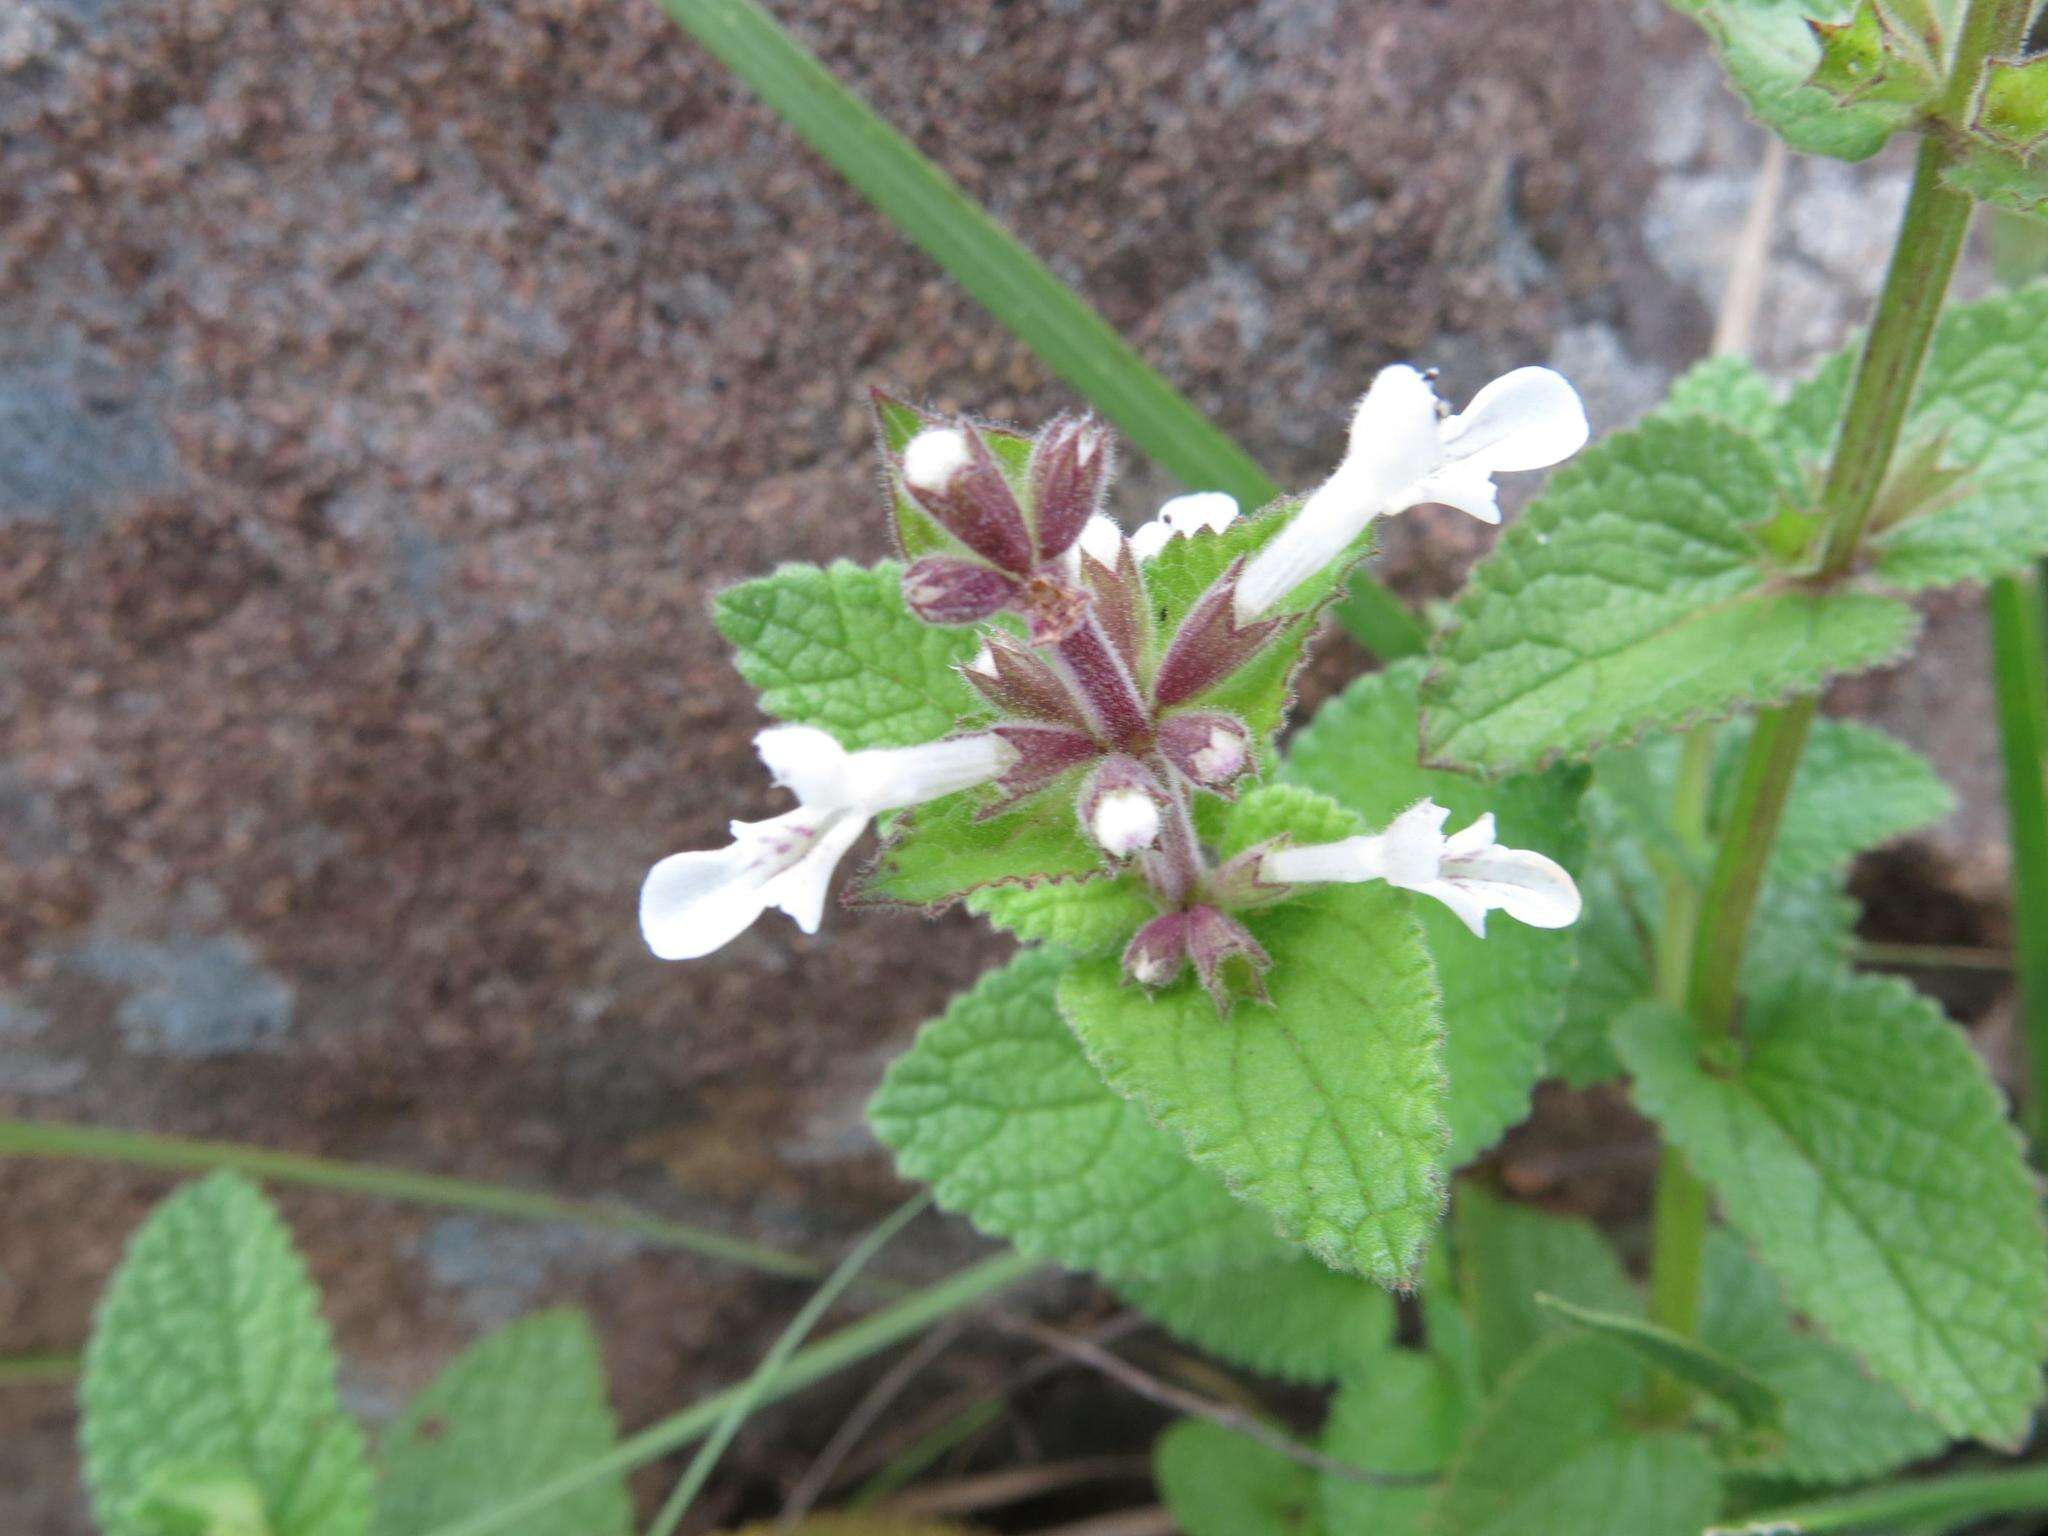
x=386 y=386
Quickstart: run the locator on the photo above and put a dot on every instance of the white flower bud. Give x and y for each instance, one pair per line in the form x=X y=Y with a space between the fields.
x=1124 y=821
x=934 y=457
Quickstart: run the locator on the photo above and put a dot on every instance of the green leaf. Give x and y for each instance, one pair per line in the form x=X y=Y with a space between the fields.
x=1085 y=916
x=1727 y=388
x=2014 y=184
x=1754 y=1400
x=1554 y=1454
x=1503 y=996
x=1840 y=1425
x=200 y=1501
x=1630 y=597
x=1855 y=789
x=1983 y=401
x=2013 y=105
x=1508 y=1255
x=1220 y=1484
x=1309 y=1322
x=836 y=648
x=1402 y=1412
x=513 y=1412
x=998 y=1110
x=1861 y=1146
x=1018 y=289
x=209 y=1353
x=1324 y=1107
x=1771 y=52
x=948 y=849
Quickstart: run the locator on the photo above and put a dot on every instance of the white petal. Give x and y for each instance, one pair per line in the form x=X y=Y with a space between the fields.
x=1413 y=845
x=807 y=762
x=800 y=889
x=1528 y=419
x=1346 y=862
x=1150 y=538
x=693 y=903
x=984 y=662
x=1393 y=445
x=1394 y=431
x=1467 y=486
x=1469 y=908
x=1480 y=835
x=887 y=778
x=1100 y=539
x=1202 y=512
x=1527 y=886
x=1125 y=820
x=933 y=457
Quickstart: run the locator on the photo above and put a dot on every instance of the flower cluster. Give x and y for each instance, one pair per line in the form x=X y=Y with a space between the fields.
x=1086 y=696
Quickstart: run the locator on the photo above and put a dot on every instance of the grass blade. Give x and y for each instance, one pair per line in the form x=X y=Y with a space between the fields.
x=2019 y=677
x=1015 y=286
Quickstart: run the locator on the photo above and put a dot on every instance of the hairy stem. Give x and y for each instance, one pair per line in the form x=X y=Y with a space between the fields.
x=2019 y=665
x=1930 y=240
x=1957 y=1500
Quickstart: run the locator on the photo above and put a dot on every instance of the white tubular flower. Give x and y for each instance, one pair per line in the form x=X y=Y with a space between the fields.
x=1403 y=452
x=1468 y=872
x=1124 y=821
x=1100 y=540
x=1184 y=517
x=933 y=457
x=694 y=903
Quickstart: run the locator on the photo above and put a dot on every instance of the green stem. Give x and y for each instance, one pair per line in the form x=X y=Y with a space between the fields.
x=752 y=1389
x=1014 y=285
x=1958 y=1500
x=2019 y=669
x=1923 y=261
x=30 y=1138
x=1679 y=1217
x=870 y=1336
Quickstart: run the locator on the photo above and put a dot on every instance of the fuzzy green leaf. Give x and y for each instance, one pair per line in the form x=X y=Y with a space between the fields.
x=1503 y=996
x=1861 y=1147
x=1982 y=401
x=2014 y=183
x=948 y=849
x=1508 y=1255
x=1771 y=52
x=1324 y=1107
x=1403 y=1412
x=513 y=1412
x=1309 y=1322
x=1754 y=1400
x=1220 y=1484
x=1840 y=1425
x=1856 y=789
x=998 y=1110
x=836 y=648
x=1087 y=916
x=1631 y=596
x=1554 y=1454
x=209 y=1353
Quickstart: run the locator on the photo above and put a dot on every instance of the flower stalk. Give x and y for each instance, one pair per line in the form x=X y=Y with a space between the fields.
x=1930 y=241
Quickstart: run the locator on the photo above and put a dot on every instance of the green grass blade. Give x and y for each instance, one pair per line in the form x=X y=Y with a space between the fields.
x=2019 y=675
x=755 y=1387
x=1015 y=286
